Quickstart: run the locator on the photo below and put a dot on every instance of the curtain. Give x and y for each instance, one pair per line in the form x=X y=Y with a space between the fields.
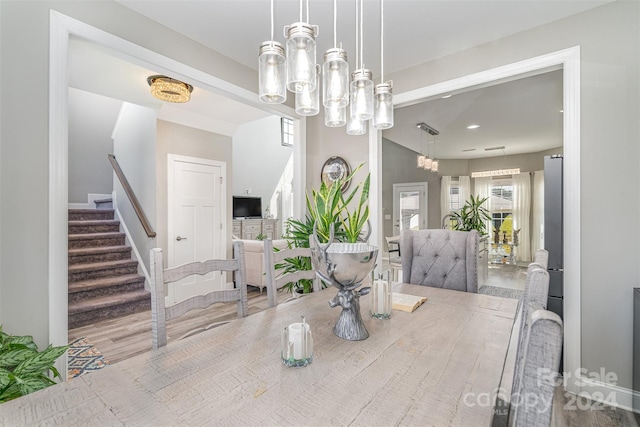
x=482 y=188
x=537 y=230
x=521 y=213
x=464 y=184
x=445 y=196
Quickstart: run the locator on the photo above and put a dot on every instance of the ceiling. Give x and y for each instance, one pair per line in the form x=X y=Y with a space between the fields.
x=415 y=31
x=522 y=115
x=99 y=70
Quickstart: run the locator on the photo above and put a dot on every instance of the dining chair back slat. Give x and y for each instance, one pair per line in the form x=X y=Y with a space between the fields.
x=160 y=277
x=276 y=278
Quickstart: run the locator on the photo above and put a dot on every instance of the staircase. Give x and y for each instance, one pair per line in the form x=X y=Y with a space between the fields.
x=103 y=279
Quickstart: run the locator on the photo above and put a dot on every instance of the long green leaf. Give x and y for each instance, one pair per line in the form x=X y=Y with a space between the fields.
x=41 y=361
x=13 y=358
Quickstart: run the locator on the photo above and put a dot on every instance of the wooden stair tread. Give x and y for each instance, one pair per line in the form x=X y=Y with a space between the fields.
x=104 y=282
x=108 y=301
x=98 y=250
x=73 y=268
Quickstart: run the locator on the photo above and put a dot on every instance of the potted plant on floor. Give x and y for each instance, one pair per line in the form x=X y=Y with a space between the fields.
x=24 y=369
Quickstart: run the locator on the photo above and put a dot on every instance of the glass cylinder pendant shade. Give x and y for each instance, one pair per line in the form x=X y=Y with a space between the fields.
x=427 y=163
x=335 y=78
x=421 y=159
x=356 y=127
x=335 y=116
x=361 y=95
x=272 y=73
x=301 y=56
x=383 y=107
x=434 y=166
x=308 y=100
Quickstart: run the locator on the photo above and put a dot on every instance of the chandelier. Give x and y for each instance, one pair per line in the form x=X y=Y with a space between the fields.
x=292 y=67
x=426 y=162
x=168 y=89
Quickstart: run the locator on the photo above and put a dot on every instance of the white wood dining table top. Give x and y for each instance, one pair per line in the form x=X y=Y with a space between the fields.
x=430 y=367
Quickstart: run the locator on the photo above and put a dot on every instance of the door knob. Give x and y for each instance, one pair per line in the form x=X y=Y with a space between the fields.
x=180 y=238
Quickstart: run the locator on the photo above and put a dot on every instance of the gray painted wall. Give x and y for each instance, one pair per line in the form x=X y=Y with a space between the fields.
x=399 y=166
x=259 y=158
x=91 y=119
x=134 y=145
x=186 y=141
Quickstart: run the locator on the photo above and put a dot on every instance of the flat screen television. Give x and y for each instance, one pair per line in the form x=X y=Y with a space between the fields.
x=247 y=207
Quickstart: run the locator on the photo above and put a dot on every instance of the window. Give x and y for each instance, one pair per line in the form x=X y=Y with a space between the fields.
x=501 y=210
x=287 y=131
x=454 y=196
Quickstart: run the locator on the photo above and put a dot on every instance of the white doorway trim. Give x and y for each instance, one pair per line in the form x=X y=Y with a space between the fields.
x=61 y=27
x=569 y=61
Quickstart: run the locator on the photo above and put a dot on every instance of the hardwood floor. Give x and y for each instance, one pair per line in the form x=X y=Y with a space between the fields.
x=125 y=337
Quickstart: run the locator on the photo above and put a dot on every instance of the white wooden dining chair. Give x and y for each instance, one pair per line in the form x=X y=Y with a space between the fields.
x=277 y=278
x=160 y=277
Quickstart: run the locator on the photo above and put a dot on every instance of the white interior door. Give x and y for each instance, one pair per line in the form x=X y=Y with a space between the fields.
x=409 y=206
x=196 y=229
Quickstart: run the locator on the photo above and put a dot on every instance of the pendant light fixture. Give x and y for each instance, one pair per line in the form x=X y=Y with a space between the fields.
x=355 y=126
x=428 y=163
x=383 y=99
x=272 y=71
x=301 y=53
x=421 y=157
x=308 y=100
x=335 y=70
x=335 y=116
x=434 y=162
x=361 y=84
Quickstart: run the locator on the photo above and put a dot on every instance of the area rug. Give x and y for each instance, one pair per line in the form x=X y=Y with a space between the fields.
x=500 y=292
x=83 y=357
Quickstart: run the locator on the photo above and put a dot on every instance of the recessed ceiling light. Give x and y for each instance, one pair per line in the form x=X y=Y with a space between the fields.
x=447 y=96
x=473 y=126
x=494 y=148
x=468 y=149
x=561 y=111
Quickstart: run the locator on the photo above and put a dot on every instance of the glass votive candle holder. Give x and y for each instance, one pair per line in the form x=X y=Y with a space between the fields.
x=297 y=344
x=381 y=297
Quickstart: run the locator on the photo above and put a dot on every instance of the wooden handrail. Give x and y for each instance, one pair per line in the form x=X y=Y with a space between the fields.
x=132 y=197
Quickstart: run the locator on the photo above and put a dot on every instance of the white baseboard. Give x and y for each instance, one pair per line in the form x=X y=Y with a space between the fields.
x=91 y=198
x=609 y=394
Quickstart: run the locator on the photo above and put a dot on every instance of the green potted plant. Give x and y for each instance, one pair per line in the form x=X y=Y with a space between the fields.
x=327 y=206
x=472 y=216
x=24 y=369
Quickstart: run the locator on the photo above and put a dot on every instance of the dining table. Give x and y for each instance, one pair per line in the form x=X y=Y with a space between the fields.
x=439 y=365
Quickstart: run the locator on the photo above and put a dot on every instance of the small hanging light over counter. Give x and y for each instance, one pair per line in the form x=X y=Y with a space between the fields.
x=168 y=89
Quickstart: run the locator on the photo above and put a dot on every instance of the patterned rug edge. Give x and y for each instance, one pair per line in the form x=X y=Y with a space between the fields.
x=83 y=358
x=500 y=292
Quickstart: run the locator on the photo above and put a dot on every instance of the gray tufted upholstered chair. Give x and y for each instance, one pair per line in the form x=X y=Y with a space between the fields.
x=440 y=258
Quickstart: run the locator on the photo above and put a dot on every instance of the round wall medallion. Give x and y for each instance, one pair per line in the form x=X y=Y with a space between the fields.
x=335 y=168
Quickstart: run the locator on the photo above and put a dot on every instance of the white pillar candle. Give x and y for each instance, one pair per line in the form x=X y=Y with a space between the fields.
x=298 y=338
